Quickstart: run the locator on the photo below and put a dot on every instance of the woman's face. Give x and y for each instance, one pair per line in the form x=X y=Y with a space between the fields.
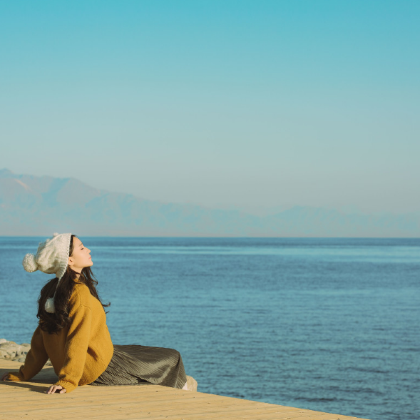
x=80 y=257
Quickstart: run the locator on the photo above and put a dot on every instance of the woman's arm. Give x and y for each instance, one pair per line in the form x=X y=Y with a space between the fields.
x=35 y=359
x=76 y=346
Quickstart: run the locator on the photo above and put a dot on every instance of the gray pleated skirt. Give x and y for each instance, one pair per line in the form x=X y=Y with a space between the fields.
x=134 y=364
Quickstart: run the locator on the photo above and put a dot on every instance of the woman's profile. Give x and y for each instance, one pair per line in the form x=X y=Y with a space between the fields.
x=73 y=334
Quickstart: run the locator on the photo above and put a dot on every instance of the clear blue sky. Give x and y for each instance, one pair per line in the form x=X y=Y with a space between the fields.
x=254 y=104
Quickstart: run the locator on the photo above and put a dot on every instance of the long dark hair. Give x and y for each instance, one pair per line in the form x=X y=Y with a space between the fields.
x=54 y=322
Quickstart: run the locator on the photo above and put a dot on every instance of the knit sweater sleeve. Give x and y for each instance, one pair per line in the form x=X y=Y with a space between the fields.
x=35 y=359
x=76 y=345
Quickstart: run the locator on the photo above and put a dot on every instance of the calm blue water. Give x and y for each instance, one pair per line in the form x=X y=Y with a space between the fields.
x=322 y=324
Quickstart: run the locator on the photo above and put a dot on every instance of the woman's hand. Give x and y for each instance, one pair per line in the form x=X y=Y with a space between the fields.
x=52 y=389
x=3 y=378
x=56 y=388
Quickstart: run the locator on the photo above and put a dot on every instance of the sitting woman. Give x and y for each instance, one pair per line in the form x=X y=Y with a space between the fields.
x=73 y=334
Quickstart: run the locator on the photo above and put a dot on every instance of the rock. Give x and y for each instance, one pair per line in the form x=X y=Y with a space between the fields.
x=10 y=350
x=5 y=345
x=13 y=351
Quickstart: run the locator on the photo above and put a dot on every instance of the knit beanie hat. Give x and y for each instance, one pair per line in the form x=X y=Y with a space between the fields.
x=51 y=257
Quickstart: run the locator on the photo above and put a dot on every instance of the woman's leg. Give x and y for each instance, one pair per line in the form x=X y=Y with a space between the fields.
x=156 y=365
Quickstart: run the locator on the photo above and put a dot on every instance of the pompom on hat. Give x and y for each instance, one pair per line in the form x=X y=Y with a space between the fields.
x=52 y=257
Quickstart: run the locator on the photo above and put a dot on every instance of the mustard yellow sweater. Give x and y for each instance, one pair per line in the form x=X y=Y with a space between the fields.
x=80 y=352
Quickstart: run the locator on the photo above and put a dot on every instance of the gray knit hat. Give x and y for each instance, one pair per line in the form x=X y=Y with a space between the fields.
x=51 y=257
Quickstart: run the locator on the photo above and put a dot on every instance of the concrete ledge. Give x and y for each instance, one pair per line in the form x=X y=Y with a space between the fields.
x=27 y=400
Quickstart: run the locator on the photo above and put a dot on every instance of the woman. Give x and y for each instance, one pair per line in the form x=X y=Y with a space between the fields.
x=73 y=334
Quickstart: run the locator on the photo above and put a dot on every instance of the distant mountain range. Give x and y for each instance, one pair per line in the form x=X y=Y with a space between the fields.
x=31 y=205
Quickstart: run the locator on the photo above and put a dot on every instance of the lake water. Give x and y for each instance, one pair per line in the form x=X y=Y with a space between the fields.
x=323 y=324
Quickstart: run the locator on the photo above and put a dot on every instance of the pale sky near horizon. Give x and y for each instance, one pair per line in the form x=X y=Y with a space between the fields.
x=247 y=104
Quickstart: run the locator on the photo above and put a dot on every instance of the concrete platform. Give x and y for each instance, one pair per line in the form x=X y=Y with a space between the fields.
x=27 y=400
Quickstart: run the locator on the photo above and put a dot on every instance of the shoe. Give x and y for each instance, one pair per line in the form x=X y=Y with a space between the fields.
x=191 y=384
